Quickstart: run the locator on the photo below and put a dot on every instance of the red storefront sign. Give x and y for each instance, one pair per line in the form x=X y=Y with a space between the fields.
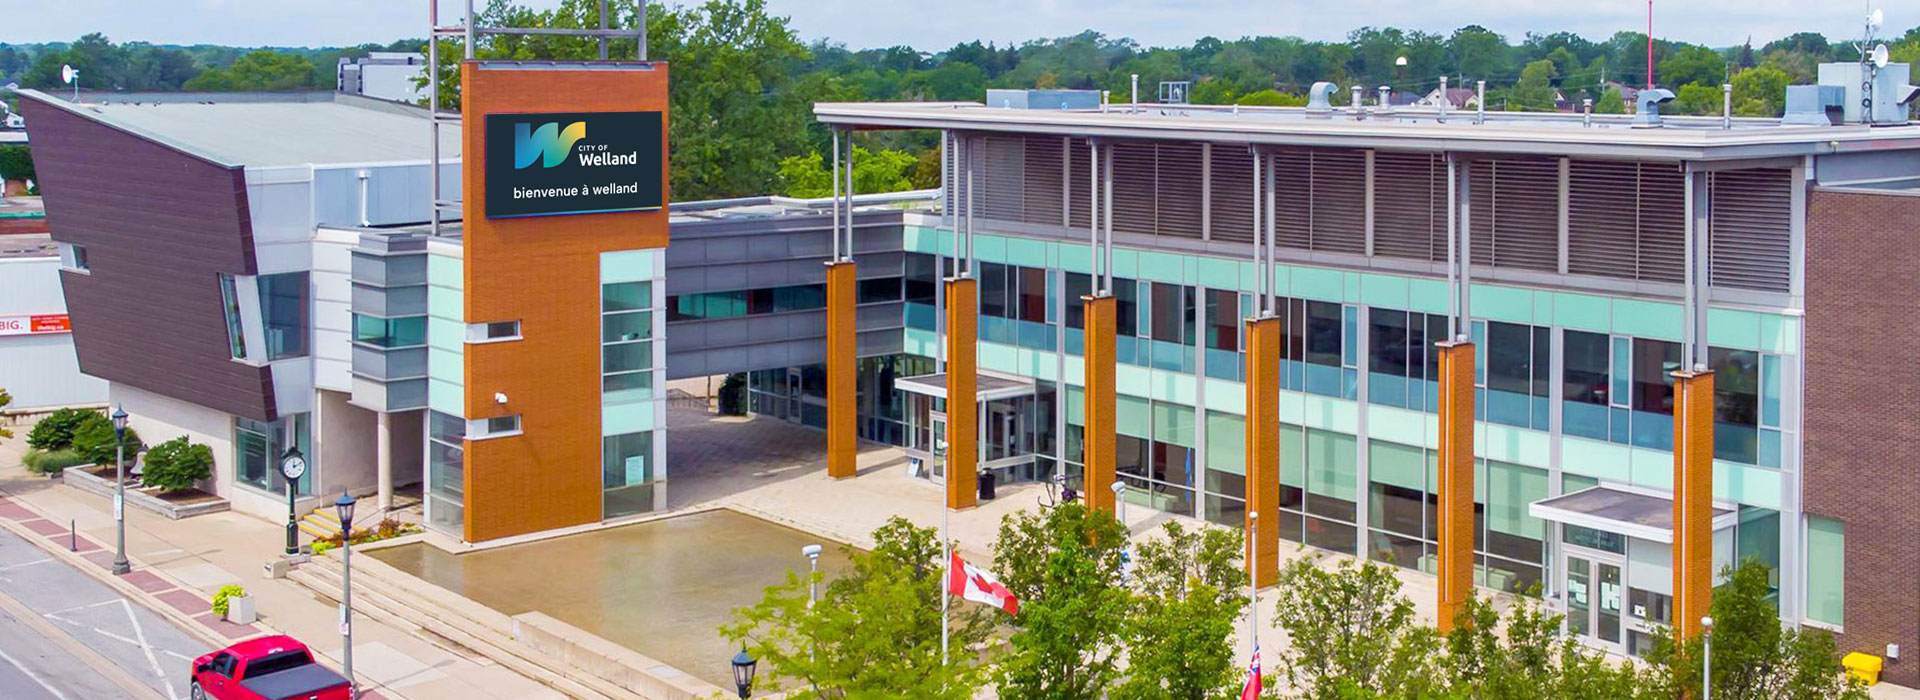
x=35 y=324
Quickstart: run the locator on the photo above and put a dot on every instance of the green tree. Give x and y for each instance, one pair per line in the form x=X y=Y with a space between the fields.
x=810 y=176
x=1610 y=102
x=1477 y=53
x=94 y=440
x=875 y=632
x=1754 y=656
x=1351 y=633
x=55 y=430
x=1693 y=65
x=1065 y=566
x=1272 y=98
x=1180 y=634
x=1696 y=100
x=1534 y=92
x=1524 y=656
x=259 y=71
x=1760 y=92
x=16 y=162
x=177 y=464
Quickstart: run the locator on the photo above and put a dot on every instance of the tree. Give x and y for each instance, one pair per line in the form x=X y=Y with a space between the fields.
x=258 y=71
x=1065 y=567
x=1610 y=102
x=1272 y=98
x=1534 y=92
x=1524 y=656
x=1181 y=631
x=1477 y=52
x=16 y=162
x=1352 y=633
x=1754 y=656
x=55 y=430
x=1697 y=100
x=1760 y=92
x=176 y=465
x=1693 y=65
x=809 y=177
x=875 y=633
x=94 y=440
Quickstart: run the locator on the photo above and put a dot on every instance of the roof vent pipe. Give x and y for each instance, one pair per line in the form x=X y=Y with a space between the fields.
x=1354 y=106
x=1726 y=105
x=1480 y=112
x=1647 y=106
x=1586 y=112
x=1320 y=99
x=1386 y=100
x=1443 y=99
x=1133 y=106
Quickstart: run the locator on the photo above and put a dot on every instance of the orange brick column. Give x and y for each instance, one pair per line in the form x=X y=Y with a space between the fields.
x=1456 y=480
x=963 y=406
x=1098 y=437
x=1263 y=448
x=1692 y=499
x=843 y=435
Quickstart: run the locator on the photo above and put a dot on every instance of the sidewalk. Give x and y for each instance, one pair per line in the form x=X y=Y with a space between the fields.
x=180 y=564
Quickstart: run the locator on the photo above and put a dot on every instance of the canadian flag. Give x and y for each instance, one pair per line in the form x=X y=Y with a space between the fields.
x=971 y=583
x=1251 y=690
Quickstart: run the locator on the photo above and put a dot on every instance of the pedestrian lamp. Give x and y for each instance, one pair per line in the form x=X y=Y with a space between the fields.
x=743 y=667
x=812 y=553
x=293 y=465
x=1706 y=658
x=344 y=506
x=120 y=565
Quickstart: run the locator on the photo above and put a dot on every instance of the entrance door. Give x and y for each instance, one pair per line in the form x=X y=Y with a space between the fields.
x=1595 y=589
x=937 y=469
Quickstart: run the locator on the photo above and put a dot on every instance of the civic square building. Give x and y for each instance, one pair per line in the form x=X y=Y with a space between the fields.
x=1462 y=338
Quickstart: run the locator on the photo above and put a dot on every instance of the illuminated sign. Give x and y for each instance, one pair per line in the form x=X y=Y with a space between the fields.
x=573 y=163
x=35 y=324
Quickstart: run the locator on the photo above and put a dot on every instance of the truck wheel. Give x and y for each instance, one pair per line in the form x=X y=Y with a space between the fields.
x=195 y=692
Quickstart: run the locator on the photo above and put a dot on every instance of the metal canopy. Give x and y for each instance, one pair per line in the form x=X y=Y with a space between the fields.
x=1614 y=509
x=990 y=387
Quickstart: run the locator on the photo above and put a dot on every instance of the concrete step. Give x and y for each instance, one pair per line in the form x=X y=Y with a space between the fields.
x=316 y=531
x=322 y=523
x=322 y=576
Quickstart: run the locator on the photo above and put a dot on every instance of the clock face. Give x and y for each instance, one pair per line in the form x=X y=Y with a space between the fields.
x=293 y=468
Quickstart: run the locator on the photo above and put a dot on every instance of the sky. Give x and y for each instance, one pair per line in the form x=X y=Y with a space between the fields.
x=936 y=24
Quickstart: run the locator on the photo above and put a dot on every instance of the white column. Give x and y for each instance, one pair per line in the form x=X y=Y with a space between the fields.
x=383 y=461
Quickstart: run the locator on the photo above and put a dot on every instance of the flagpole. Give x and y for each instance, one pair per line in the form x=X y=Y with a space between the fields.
x=1253 y=579
x=946 y=553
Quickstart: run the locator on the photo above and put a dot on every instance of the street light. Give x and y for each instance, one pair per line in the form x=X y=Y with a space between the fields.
x=1706 y=658
x=345 y=510
x=120 y=565
x=812 y=553
x=292 y=466
x=743 y=667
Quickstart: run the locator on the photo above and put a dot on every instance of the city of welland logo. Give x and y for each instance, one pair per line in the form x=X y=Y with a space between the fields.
x=548 y=144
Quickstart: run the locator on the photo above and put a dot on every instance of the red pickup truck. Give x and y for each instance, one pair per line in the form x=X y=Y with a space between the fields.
x=267 y=668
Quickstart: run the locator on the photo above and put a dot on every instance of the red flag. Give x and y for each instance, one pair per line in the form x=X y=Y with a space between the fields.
x=977 y=585
x=1251 y=691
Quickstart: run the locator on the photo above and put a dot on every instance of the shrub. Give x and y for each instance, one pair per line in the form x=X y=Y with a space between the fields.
x=176 y=465
x=55 y=431
x=386 y=530
x=733 y=395
x=51 y=461
x=321 y=547
x=94 y=440
x=5 y=400
x=220 y=597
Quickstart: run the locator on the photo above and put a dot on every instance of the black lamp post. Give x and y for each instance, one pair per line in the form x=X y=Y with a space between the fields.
x=292 y=466
x=120 y=565
x=345 y=508
x=743 y=667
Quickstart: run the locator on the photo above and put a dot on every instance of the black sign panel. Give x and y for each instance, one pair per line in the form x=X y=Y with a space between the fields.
x=572 y=163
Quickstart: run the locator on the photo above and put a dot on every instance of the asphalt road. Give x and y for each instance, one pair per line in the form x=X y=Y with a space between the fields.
x=65 y=636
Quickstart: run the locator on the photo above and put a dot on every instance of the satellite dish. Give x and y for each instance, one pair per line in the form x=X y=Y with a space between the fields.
x=1876 y=19
x=1880 y=56
x=68 y=74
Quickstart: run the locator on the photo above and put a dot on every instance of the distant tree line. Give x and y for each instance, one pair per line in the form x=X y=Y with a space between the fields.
x=138 y=66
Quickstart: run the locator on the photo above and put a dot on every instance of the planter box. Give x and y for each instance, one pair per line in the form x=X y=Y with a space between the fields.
x=80 y=478
x=240 y=610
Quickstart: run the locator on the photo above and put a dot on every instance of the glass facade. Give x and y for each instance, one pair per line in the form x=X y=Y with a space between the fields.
x=258 y=447
x=404 y=332
x=629 y=377
x=283 y=314
x=230 y=306
x=446 y=471
x=1826 y=571
x=625 y=476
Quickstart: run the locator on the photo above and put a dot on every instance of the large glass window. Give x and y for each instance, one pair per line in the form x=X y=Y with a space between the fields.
x=1826 y=570
x=446 y=471
x=1654 y=362
x=230 y=304
x=1516 y=374
x=750 y=302
x=402 y=332
x=1155 y=455
x=1223 y=330
x=283 y=314
x=1404 y=367
x=1620 y=389
x=1587 y=388
x=1736 y=404
x=626 y=345
x=258 y=447
x=1403 y=511
x=1319 y=348
x=626 y=474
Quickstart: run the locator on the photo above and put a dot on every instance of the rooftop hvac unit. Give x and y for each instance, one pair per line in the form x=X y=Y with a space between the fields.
x=1815 y=105
x=1889 y=93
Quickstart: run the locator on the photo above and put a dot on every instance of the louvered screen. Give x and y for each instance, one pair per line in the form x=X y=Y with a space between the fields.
x=1293 y=180
x=1340 y=200
x=1752 y=229
x=1134 y=187
x=1516 y=213
x=1409 y=205
x=1232 y=194
x=1079 y=188
x=1001 y=174
x=1662 y=247
x=1602 y=201
x=1180 y=189
x=950 y=184
x=1042 y=189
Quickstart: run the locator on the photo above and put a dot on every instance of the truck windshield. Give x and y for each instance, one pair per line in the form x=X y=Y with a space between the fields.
x=275 y=663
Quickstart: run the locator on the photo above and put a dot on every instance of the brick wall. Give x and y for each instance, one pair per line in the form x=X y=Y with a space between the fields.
x=1862 y=459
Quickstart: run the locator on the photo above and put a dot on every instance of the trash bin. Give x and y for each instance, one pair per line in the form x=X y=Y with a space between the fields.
x=1865 y=667
x=986 y=486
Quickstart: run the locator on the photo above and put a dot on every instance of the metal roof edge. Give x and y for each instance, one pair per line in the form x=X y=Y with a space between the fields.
x=101 y=118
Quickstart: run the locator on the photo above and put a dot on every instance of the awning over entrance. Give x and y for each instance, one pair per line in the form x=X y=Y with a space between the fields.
x=991 y=387
x=1617 y=510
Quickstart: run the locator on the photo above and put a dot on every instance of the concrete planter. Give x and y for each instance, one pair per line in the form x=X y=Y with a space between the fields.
x=240 y=610
x=80 y=478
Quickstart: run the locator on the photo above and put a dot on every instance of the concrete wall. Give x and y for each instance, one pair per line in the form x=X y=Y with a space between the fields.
x=161 y=418
x=346 y=443
x=40 y=371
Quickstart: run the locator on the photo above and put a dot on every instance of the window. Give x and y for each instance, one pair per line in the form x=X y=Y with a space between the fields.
x=1826 y=570
x=390 y=332
x=283 y=314
x=922 y=280
x=1077 y=286
x=1315 y=336
x=1516 y=374
x=626 y=343
x=1223 y=332
x=874 y=291
x=497 y=426
x=1654 y=362
x=626 y=478
x=73 y=258
x=230 y=304
x=257 y=449
x=711 y=305
x=1401 y=359
x=494 y=331
x=1586 y=385
x=446 y=471
x=1736 y=404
